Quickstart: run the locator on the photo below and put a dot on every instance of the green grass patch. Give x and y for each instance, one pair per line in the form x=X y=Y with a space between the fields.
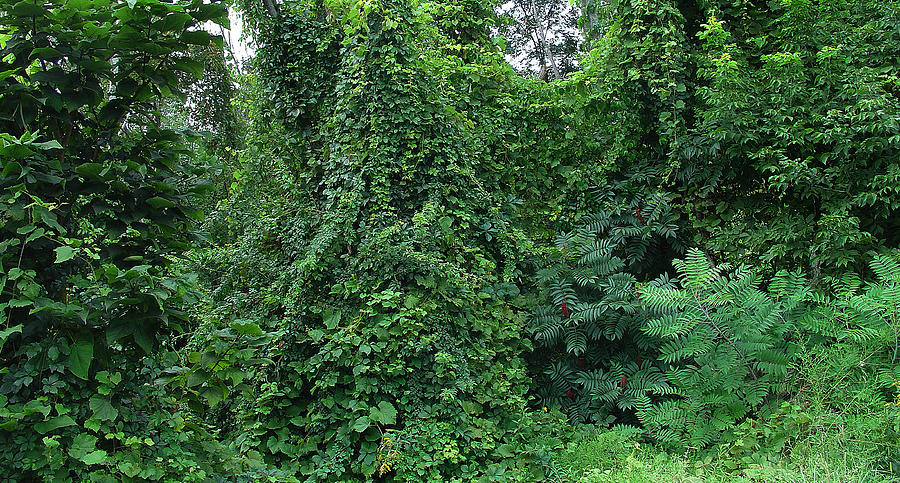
x=838 y=421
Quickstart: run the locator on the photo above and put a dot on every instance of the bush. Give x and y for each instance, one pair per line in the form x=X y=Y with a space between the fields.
x=94 y=207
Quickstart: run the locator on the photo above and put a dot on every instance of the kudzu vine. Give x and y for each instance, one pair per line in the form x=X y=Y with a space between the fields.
x=384 y=254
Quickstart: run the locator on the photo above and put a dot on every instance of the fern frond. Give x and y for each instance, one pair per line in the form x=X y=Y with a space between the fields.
x=576 y=341
x=886 y=268
x=696 y=269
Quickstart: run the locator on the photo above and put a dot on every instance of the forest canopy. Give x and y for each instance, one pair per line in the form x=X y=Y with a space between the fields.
x=641 y=240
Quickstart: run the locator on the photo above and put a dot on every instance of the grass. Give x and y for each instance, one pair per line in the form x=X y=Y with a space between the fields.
x=838 y=422
x=611 y=457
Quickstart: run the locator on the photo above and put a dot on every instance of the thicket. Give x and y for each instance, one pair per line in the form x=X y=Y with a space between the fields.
x=384 y=254
x=95 y=208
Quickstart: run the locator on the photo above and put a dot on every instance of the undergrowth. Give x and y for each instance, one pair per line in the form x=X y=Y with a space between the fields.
x=837 y=421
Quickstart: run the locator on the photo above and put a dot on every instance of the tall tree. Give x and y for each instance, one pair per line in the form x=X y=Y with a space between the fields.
x=380 y=259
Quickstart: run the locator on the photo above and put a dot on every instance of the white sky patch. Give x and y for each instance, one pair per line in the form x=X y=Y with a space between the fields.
x=238 y=44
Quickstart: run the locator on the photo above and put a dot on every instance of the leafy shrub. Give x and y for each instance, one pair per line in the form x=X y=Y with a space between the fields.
x=595 y=360
x=767 y=439
x=726 y=343
x=687 y=358
x=795 y=110
x=849 y=371
x=92 y=212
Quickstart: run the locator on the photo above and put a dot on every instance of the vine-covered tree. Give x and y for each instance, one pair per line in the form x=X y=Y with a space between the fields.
x=415 y=255
x=385 y=268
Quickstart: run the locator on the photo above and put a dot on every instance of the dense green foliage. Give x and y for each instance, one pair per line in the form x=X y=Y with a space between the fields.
x=383 y=254
x=389 y=282
x=94 y=208
x=601 y=367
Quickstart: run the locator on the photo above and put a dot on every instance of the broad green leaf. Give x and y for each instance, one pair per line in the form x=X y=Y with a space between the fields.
x=45 y=427
x=200 y=37
x=411 y=301
x=28 y=8
x=90 y=170
x=32 y=407
x=214 y=12
x=159 y=202
x=51 y=442
x=144 y=338
x=55 y=76
x=385 y=413
x=445 y=222
x=93 y=424
x=213 y=395
x=11 y=169
x=53 y=144
x=102 y=409
x=190 y=66
x=117 y=331
x=78 y=4
x=50 y=218
x=316 y=334
x=246 y=328
x=64 y=253
x=361 y=424
x=94 y=457
x=332 y=318
x=84 y=449
x=15 y=151
x=80 y=358
x=35 y=235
